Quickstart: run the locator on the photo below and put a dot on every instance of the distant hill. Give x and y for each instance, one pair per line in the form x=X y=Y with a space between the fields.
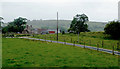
x=65 y=24
x=96 y=26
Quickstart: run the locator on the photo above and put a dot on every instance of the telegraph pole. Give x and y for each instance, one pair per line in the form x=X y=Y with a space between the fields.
x=57 y=26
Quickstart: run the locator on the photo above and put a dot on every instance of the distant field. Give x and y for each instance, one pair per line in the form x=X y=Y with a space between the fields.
x=27 y=53
x=90 y=39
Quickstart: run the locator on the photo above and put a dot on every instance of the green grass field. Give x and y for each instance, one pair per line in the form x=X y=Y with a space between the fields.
x=28 y=53
x=0 y=50
x=90 y=39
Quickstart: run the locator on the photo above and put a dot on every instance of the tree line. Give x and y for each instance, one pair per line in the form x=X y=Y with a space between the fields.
x=18 y=25
x=77 y=25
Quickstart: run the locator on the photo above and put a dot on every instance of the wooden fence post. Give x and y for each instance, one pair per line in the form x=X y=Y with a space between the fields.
x=118 y=46
x=97 y=47
x=113 y=50
x=102 y=44
x=84 y=44
x=64 y=41
x=51 y=39
x=74 y=43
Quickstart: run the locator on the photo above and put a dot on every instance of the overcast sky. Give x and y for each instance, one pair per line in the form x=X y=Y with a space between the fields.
x=102 y=10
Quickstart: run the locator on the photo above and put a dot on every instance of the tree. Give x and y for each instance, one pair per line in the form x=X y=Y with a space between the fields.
x=78 y=24
x=20 y=21
x=1 y=22
x=1 y=18
x=113 y=29
x=5 y=29
x=63 y=32
x=17 y=25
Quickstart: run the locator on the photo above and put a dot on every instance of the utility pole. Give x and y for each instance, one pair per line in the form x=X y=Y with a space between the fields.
x=57 y=26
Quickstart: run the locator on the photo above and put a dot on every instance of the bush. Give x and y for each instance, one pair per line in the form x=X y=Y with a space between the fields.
x=21 y=35
x=113 y=29
x=15 y=35
x=63 y=32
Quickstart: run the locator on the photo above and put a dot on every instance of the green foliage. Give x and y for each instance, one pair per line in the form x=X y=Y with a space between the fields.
x=5 y=29
x=28 y=53
x=20 y=21
x=63 y=32
x=113 y=28
x=90 y=39
x=14 y=35
x=17 y=25
x=63 y=24
x=78 y=24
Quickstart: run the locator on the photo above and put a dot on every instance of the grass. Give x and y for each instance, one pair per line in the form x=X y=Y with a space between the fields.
x=0 y=50
x=28 y=53
x=90 y=39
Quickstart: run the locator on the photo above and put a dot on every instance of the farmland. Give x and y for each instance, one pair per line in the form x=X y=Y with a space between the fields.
x=89 y=38
x=28 y=53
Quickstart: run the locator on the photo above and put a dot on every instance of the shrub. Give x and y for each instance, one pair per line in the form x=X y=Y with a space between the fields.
x=113 y=29
x=63 y=32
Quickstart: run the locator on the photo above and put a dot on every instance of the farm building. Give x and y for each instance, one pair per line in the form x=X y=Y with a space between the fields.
x=27 y=30
x=51 y=31
x=31 y=30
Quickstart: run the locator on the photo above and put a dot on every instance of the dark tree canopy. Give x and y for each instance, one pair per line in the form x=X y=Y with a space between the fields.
x=113 y=28
x=78 y=24
x=17 y=25
x=19 y=21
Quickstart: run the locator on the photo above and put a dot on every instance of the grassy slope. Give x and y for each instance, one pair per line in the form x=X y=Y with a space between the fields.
x=51 y=24
x=26 y=53
x=65 y=24
x=90 y=38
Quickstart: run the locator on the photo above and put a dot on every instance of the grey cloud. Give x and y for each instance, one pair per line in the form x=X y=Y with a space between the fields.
x=97 y=11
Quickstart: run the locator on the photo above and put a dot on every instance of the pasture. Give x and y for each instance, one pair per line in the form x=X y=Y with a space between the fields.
x=29 y=53
x=89 y=38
